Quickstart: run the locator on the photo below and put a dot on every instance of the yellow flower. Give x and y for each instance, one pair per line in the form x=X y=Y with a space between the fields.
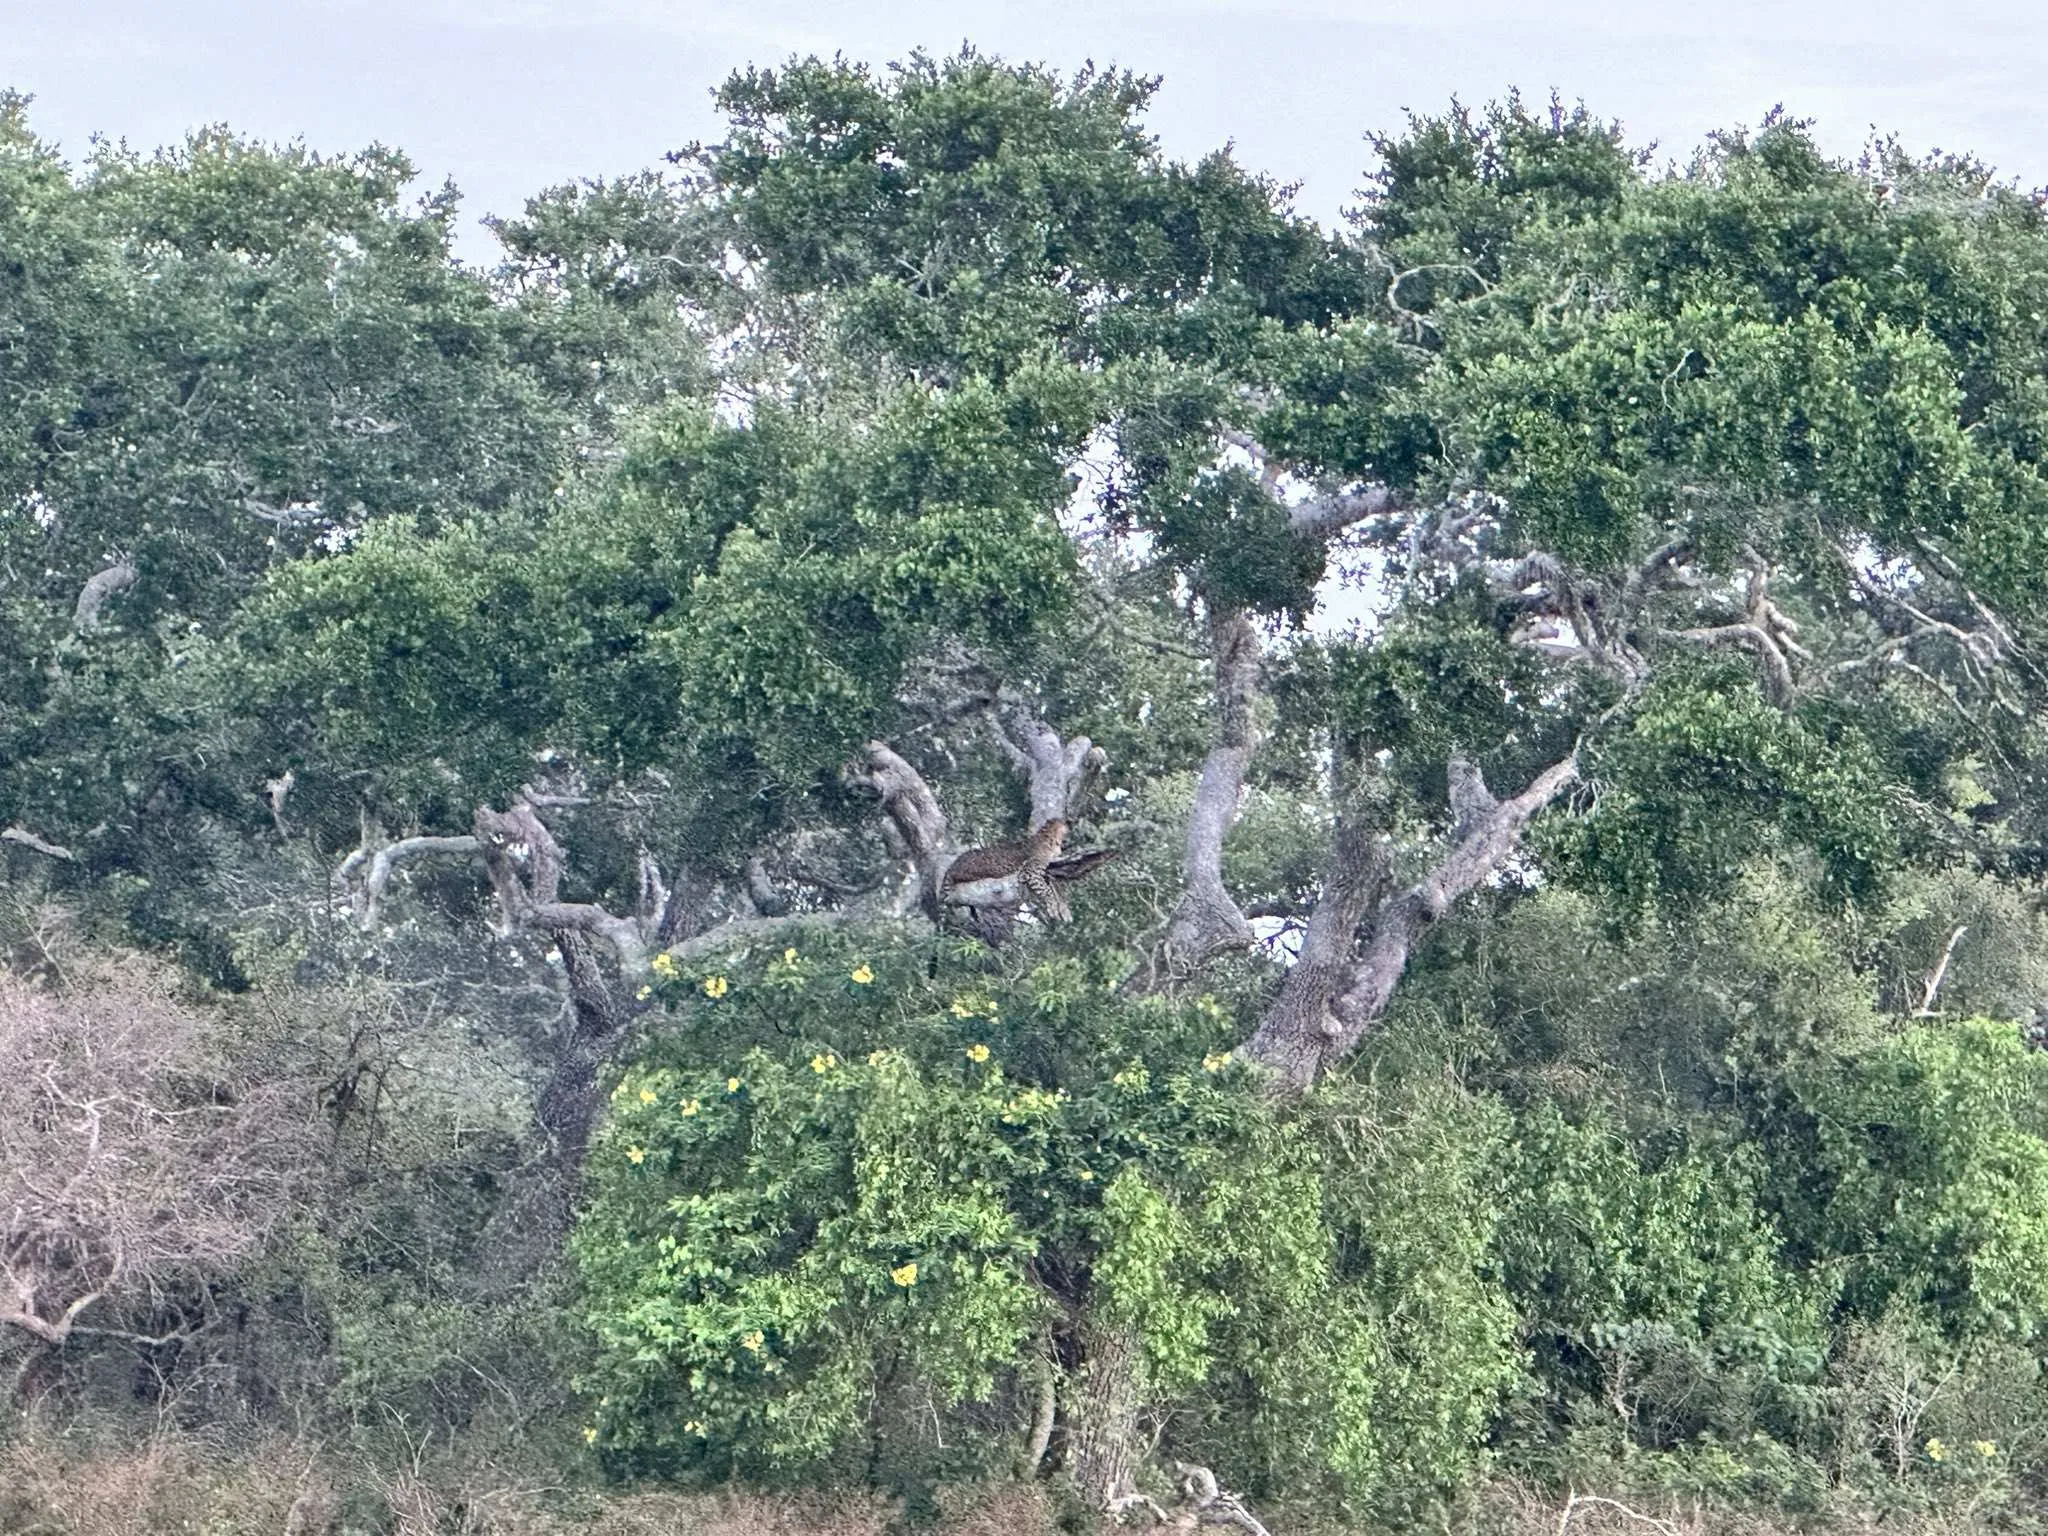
x=715 y=986
x=644 y=993
x=752 y=1339
x=1936 y=1451
x=647 y=1095
x=824 y=1061
x=962 y=1009
x=977 y=1052
x=590 y=1434
x=689 y=1106
x=789 y=955
x=663 y=965
x=732 y=1085
x=636 y=1155
x=1085 y=1175
x=862 y=975
x=1216 y=1061
x=693 y=1426
x=1987 y=1447
x=906 y=1276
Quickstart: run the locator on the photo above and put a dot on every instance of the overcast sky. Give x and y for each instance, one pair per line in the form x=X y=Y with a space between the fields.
x=507 y=96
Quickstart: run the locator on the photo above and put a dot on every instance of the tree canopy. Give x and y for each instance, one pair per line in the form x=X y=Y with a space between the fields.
x=1379 y=847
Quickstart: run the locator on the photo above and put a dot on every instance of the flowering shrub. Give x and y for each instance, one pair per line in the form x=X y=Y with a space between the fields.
x=849 y=1185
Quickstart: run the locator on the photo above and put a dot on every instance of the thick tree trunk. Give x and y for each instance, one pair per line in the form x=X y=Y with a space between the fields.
x=1335 y=994
x=1301 y=1027
x=1099 y=1413
x=535 y=1213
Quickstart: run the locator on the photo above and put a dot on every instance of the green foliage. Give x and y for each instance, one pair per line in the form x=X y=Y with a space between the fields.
x=1706 y=777
x=1926 y=1177
x=1728 y=480
x=836 y=1184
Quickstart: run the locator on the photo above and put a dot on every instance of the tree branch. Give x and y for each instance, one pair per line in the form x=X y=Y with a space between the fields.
x=1058 y=774
x=1326 y=515
x=1207 y=920
x=99 y=588
x=380 y=864
x=914 y=817
x=34 y=844
x=1932 y=990
x=1320 y=1017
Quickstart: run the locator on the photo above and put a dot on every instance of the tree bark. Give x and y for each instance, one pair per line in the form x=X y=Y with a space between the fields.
x=100 y=588
x=1099 y=1413
x=1325 y=1009
x=1208 y=920
x=533 y=1217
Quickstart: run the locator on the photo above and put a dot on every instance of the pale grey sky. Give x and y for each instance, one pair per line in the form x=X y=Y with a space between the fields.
x=507 y=96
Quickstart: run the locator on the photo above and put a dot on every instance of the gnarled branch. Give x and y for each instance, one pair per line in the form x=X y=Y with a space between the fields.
x=377 y=865
x=98 y=590
x=1333 y=994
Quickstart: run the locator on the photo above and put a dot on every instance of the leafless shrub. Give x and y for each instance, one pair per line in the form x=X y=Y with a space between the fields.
x=131 y=1163
x=168 y=1483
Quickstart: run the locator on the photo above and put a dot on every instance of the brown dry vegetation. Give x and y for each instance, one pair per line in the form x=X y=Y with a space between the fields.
x=178 y=1483
x=175 y=1483
x=131 y=1162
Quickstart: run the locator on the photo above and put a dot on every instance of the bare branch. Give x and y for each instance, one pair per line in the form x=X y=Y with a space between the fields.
x=116 y=1179
x=1327 y=515
x=1764 y=628
x=99 y=588
x=295 y=515
x=1932 y=990
x=27 y=839
x=1058 y=773
x=1777 y=670
x=914 y=820
x=380 y=864
x=526 y=865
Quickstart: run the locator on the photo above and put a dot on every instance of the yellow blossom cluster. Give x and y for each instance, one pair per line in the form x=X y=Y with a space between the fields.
x=977 y=1052
x=664 y=966
x=716 y=986
x=824 y=1061
x=688 y=1106
x=861 y=975
x=752 y=1340
x=1216 y=1061
x=1029 y=1104
x=906 y=1275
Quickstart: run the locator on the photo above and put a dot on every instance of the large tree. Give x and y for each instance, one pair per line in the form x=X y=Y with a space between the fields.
x=1026 y=477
